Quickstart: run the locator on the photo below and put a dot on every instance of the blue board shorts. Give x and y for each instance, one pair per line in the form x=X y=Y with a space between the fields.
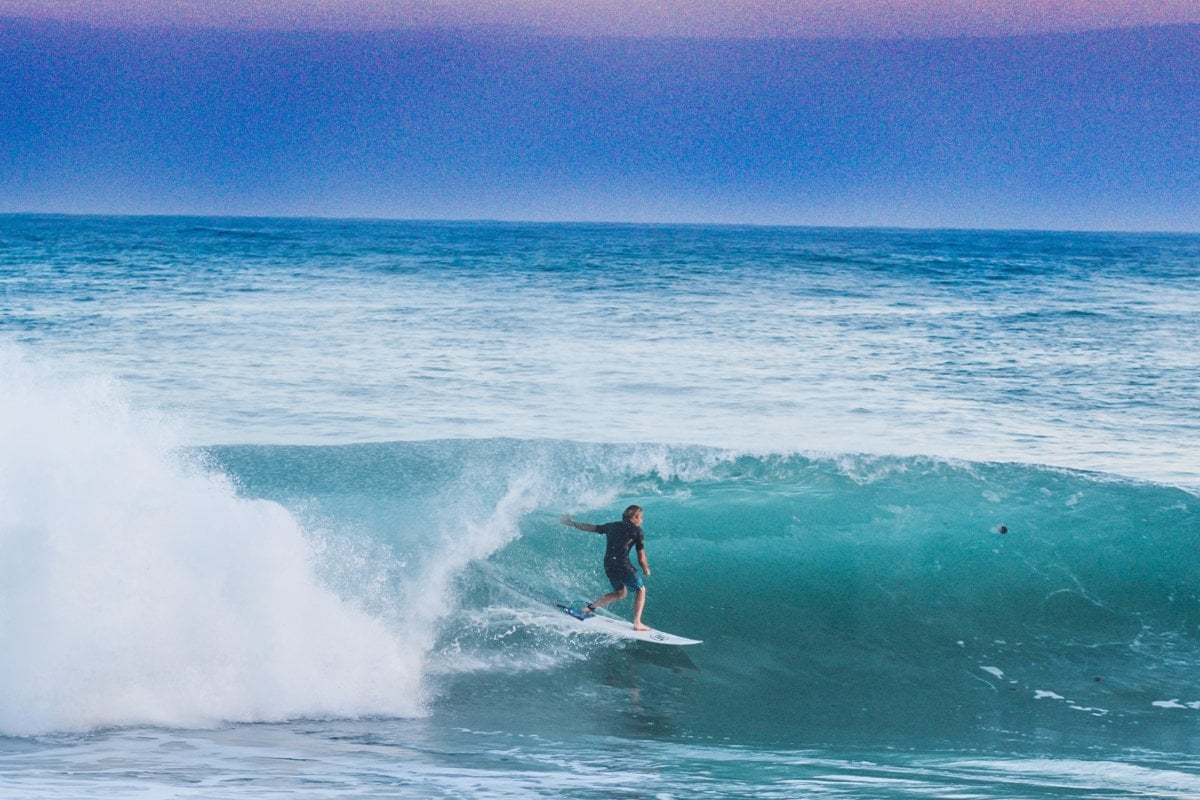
x=630 y=580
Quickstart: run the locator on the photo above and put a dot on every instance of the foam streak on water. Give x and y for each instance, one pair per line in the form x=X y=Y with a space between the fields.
x=282 y=762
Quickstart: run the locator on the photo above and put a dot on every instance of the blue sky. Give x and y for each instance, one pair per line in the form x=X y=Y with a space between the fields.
x=707 y=18
x=1054 y=128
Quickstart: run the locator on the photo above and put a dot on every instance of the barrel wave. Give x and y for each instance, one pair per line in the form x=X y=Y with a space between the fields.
x=151 y=583
x=835 y=595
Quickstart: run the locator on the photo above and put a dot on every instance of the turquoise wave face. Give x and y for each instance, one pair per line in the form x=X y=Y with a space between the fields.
x=834 y=596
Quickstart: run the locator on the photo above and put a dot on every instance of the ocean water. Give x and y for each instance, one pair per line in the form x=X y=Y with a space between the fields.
x=279 y=510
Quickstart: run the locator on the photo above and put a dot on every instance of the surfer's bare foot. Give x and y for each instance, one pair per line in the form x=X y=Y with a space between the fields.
x=637 y=626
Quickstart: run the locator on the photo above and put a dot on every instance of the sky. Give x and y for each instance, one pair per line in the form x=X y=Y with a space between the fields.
x=933 y=113
x=706 y=18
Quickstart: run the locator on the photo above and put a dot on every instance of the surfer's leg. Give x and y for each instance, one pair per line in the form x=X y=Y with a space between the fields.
x=639 y=602
x=617 y=581
x=618 y=594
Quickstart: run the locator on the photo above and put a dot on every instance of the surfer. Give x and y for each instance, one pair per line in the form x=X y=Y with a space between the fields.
x=623 y=536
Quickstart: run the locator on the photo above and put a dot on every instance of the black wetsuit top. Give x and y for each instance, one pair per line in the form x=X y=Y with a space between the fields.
x=622 y=537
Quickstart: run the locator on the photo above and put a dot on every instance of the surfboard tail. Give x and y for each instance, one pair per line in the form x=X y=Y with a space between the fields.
x=576 y=612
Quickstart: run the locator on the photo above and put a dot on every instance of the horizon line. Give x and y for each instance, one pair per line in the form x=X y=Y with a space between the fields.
x=600 y=222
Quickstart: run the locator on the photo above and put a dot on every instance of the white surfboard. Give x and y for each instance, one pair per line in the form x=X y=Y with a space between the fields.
x=609 y=626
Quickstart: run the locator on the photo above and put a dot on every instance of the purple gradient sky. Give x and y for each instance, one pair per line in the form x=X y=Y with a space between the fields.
x=1069 y=130
x=705 y=18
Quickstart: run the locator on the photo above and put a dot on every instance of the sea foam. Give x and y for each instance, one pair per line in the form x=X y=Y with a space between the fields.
x=137 y=587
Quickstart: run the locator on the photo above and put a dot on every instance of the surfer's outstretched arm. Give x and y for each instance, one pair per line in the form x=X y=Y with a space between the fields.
x=565 y=519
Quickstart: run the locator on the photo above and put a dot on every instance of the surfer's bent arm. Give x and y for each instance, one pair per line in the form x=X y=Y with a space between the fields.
x=582 y=526
x=642 y=560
